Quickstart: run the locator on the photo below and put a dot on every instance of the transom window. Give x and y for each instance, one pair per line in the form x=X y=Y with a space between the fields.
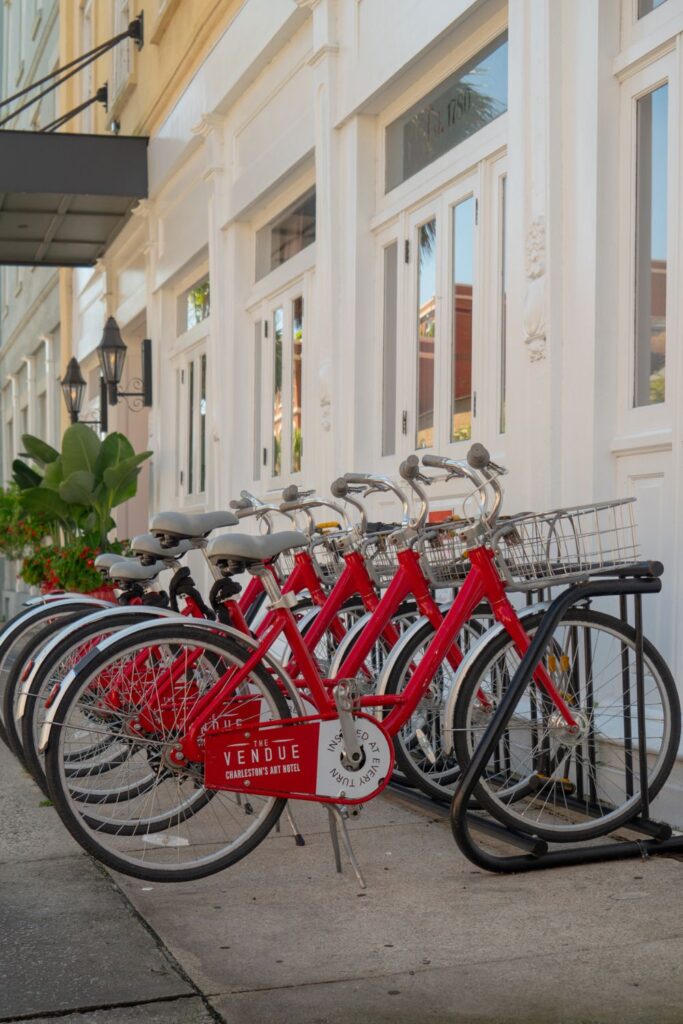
x=646 y=6
x=286 y=235
x=457 y=108
x=194 y=305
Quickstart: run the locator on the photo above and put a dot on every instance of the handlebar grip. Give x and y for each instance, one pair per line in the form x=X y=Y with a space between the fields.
x=436 y=462
x=358 y=478
x=478 y=456
x=410 y=467
x=340 y=487
x=240 y=504
x=290 y=493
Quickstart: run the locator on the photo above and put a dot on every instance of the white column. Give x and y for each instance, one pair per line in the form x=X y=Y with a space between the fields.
x=330 y=429
x=52 y=389
x=221 y=383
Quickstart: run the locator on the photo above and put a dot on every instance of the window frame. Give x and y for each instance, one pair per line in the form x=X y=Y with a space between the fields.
x=189 y=346
x=263 y=312
x=634 y=419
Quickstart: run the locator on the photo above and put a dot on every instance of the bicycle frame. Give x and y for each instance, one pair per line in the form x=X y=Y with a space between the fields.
x=482 y=582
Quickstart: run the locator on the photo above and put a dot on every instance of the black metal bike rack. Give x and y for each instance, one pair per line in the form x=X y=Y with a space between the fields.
x=536 y=853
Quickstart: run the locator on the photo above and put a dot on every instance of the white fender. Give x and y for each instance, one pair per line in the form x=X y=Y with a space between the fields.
x=103 y=614
x=148 y=628
x=36 y=610
x=358 y=627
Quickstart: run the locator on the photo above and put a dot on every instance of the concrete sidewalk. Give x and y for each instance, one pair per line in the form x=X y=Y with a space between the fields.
x=282 y=938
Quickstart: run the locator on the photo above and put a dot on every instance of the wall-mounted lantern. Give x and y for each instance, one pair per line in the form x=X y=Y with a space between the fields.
x=111 y=352
x=73 y=389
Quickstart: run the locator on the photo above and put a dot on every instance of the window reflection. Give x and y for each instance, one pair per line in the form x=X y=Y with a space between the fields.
x=278 y=323
x=646 y=6
x=426 y=331
x=457 y=108
x=297 y=343
x=463 y=276
x=651 y=247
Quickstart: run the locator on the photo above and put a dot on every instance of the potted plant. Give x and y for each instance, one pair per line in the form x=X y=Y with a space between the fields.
x=72 y=492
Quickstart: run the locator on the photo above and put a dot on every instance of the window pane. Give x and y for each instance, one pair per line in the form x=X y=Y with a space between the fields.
x=463 y=271
x=202 y=425
x=475 y=95
x=297 y=341
x=651 y=247
x=645 y=6
x=257 y=399
x=426 y=328
x=389 y=350
x=195 y=305
x=190 y=429
x=278 y=321
x=503 y=306
x=286 y=235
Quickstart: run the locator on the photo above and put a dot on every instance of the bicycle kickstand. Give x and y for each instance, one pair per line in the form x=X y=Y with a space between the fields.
x=298 y=838
x=337 y=819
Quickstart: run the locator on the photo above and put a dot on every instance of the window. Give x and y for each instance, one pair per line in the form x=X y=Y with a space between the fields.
x=426 y=333
x=193 y=309
x=279 y=427
x=457 y=108
x=646 y=6
x=461 y=357
x=389 y=337
x=502 y=298
x=651 y=247
x=258 y=384
x=194 y=305
x=121 y=55
x=191 y=379
x=286 y=235
x=442 y=280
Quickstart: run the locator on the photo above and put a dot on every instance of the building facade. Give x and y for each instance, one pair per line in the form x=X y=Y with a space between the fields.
x=378 y=227
x=30 y=318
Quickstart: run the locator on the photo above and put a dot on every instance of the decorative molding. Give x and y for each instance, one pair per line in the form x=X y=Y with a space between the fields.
x=327 y=49
x=209 y=129
x=534 y=299
x=207 y=124
x=647 y=442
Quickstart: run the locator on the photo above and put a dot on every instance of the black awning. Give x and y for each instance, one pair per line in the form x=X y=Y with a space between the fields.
x=63 y=197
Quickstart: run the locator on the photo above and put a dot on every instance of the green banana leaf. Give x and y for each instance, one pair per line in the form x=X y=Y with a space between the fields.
x=40 y=451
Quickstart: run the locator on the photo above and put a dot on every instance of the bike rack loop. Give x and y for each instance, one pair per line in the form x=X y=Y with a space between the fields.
x=642 y=579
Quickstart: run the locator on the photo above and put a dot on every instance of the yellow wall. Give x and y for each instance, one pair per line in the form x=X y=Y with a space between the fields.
x=178 y=36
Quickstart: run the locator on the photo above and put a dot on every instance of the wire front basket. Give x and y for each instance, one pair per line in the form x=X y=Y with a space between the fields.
x=442 y=553
x=326 y=553
x=568 y=544
x=381 y=557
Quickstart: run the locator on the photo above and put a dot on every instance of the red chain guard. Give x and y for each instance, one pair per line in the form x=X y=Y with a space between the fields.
x=300 y=759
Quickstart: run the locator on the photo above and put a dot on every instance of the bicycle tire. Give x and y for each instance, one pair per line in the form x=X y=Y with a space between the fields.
x=565 y=788
x=153 y=862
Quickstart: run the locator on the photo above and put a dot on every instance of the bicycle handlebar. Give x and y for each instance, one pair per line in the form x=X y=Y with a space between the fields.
x=382 y=484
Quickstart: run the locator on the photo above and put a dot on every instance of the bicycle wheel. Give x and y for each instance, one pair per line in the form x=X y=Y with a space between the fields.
x=17 y=634
x=421 y=754
x=545 y=779
x=58 y=657
x=178 y=830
